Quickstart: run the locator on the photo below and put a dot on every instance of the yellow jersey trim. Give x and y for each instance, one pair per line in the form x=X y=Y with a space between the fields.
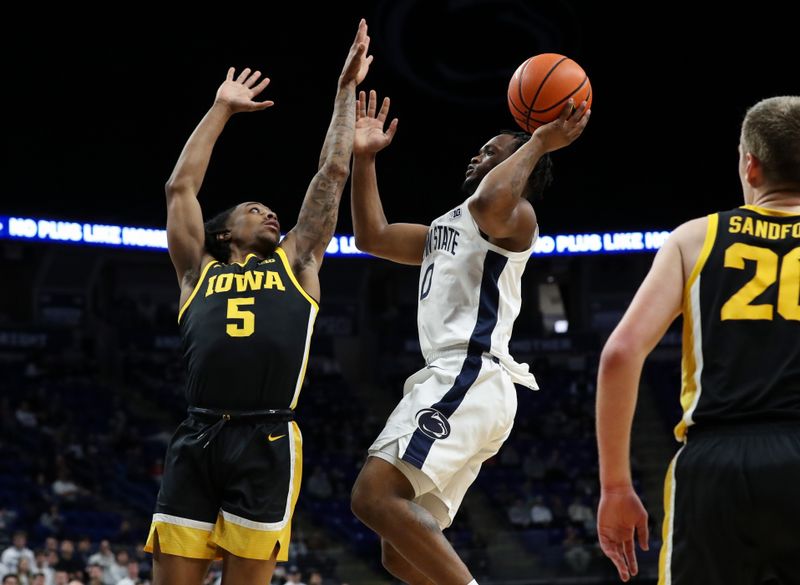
x=667 y=528
x=768 y=211
x=689 y=364
x=705 y=251
x=299 y=387
x=196 y=288
x=288 y=268
x=246 y=258
x=181 y=541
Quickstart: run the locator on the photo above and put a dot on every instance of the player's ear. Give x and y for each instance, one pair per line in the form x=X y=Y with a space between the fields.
x=224 y=236
x=753 y=170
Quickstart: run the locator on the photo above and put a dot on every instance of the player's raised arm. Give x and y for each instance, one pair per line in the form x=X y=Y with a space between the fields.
x=305 y=243
x=399 y=242
x=185 y=234
x=496 y=204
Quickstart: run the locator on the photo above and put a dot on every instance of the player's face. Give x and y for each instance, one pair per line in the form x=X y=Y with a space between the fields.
x=489 y=156
x=253 y=223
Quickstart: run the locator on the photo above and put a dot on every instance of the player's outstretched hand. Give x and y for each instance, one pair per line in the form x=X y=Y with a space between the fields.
x=238 y=94
x=358 y=60
x=370 y=136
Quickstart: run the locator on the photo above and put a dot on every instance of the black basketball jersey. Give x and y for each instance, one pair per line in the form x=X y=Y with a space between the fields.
x=246 y=331
x=741 y=329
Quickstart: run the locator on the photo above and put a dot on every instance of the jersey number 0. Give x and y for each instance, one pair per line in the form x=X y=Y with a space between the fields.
x=427 y=279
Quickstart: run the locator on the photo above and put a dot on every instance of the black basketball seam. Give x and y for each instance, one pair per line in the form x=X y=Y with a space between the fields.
x=565 y=98
x=539 y=89
x=521 y=97
x=527 y=122
x=519 y=83
x=513 y=105
x=517 y=108
x=524 y=117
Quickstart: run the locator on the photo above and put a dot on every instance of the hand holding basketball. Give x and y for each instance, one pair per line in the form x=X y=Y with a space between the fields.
x=564 y=129
x=541 y=87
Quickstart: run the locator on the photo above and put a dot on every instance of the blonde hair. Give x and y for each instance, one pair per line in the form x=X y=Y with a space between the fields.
x=771 y=132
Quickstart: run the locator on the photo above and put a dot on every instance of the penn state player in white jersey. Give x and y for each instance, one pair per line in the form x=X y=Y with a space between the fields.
x=458 y=410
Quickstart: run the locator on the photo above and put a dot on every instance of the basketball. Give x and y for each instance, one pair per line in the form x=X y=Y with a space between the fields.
x=541 y=86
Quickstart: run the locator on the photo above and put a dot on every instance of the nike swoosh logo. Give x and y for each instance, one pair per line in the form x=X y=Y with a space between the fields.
x=271 y=438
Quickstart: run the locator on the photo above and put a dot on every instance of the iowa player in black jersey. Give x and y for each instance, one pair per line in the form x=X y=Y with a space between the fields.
x=732 y=514
x=248 y=301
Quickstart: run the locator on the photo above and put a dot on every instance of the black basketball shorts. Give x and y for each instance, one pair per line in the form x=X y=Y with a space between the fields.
x=235 y=493
x=732 y=507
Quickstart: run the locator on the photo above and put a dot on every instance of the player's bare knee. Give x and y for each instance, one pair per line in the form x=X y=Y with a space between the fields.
x=364 y=502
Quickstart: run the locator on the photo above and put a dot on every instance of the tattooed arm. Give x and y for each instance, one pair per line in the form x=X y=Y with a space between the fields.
x=305 y=244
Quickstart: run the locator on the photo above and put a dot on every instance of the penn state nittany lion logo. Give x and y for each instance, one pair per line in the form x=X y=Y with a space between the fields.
x=433 y=423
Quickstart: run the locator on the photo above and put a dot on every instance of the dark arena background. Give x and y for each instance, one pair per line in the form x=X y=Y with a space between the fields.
x=97 y=109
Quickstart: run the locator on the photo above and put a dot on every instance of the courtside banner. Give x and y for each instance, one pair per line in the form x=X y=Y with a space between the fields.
x=95 y=234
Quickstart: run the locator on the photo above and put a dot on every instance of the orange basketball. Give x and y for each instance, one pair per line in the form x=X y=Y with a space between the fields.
x=542 y=85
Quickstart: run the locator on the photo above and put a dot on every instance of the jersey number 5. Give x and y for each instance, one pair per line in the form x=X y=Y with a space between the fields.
x=247 y=319
x=740 y=306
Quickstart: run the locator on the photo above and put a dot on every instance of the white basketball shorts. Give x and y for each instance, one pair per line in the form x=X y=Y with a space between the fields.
x=454 y=415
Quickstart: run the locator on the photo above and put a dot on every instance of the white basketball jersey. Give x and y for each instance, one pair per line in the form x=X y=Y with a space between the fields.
x=469 y=292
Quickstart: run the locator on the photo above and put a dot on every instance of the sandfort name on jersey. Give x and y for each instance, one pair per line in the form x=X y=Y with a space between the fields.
x=762 y=228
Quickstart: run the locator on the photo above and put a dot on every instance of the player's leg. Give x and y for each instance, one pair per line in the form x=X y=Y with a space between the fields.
x=382 y=499
x=400 y=567
x=400 y=501
x=185 y=512
x=774 y=474
x=704 y=541
x=241 y=571
x=253 y=530
x=176 y=570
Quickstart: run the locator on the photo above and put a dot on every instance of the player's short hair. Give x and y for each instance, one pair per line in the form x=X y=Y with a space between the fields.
x=542 y=175
x=219 y=249
x=771 y=132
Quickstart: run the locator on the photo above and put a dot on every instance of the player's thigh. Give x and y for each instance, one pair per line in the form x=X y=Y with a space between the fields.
x=176 y=570
x=774 y=474
x=263 y=464
x=708 y=517
x=379 y=479
x=188 y=501
x=238 y=570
